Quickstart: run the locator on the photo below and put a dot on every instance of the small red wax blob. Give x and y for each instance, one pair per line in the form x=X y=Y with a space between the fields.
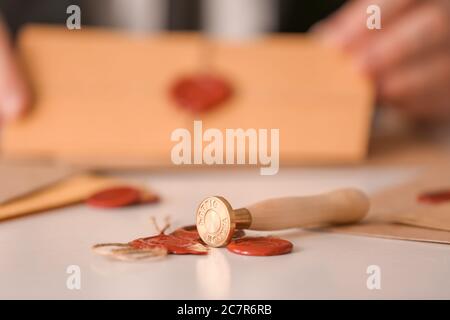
x=260 y=246
x=121 y=196
x=187 y=232
x=115 y=197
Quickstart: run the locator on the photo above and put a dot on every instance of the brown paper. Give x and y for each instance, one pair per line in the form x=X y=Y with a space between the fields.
x=18 y=180
x=102 y=98
x=394 y=231
x=400 y=203
x=396 y=212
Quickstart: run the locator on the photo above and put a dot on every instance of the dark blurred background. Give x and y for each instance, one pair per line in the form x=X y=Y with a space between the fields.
x=288 y=15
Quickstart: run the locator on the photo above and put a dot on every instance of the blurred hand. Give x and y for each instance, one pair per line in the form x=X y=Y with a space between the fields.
x=409 y=58
x=14 y=94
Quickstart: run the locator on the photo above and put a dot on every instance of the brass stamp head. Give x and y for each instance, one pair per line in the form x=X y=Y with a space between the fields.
x=217 y=221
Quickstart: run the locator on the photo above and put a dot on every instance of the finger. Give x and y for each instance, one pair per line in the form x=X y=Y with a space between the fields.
x=14 y=96
x=350 y=23
x=421 y=89
x=422 y=29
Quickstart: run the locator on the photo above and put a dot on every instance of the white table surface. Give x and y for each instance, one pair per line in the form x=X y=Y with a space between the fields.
x=35 y=251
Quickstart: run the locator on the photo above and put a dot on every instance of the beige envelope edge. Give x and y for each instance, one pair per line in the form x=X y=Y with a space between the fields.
x=394 y=231
x=70 y=191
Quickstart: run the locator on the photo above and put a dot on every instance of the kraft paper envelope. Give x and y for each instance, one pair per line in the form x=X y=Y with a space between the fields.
x=70 y=191
x=102 y=97
x=396 y=212
x=394 y=231
x=20 y=179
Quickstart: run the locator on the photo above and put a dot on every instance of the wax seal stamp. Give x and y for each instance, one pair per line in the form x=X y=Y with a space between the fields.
x=217 y=221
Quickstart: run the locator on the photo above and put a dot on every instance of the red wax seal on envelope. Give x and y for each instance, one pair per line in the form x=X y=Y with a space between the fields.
x=435 y=197
x=115 y=197
x=201 y=92
x=121 y=196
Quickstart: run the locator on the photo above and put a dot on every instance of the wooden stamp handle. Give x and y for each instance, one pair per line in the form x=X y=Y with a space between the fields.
x=336 y=207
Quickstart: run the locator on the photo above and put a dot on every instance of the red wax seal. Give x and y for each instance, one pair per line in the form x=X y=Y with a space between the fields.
x=260 y=246
x=201 y=91
x=187 y=232
x=115 y=197
x=434 y=197
x=172 y=243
